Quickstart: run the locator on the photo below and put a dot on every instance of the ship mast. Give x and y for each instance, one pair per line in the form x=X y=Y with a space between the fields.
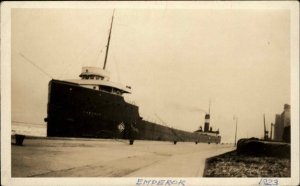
x=108 y=41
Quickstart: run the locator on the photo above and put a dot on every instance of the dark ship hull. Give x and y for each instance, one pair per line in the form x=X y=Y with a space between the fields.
x=76 y=111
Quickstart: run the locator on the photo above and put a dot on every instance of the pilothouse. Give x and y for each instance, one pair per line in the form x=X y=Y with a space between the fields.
x=98 y=79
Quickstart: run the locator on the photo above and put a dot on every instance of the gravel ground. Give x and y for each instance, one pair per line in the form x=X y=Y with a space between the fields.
x=232 y=165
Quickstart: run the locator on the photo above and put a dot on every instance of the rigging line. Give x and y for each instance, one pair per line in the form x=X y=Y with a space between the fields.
x=164 y=123
x=171 y=129
x=98 y=55
x=98 y=45
x=28 y=60
x=79 y=56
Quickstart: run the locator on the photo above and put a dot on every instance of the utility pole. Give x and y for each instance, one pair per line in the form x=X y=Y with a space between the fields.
x=265 y=130
x=271 y=135
x=209 y=107
x=264 y=127
x=236 y=123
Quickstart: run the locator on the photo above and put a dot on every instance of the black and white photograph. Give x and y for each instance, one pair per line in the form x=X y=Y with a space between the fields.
x=150 y=93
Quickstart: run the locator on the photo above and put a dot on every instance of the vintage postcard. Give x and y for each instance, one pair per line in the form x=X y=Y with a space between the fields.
x=150 y=93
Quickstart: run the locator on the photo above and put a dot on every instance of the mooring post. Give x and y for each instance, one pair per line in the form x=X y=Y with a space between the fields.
x=19 y=139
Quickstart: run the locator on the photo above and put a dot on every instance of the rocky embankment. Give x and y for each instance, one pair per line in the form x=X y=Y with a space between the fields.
x=233 y=165
x=253 y=158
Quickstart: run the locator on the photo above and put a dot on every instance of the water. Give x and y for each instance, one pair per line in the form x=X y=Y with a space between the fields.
x=29 y=129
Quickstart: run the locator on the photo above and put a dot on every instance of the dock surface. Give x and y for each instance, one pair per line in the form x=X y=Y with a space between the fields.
x=55 y=157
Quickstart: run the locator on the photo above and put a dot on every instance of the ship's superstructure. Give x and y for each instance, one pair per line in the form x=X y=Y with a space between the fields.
x=98 y=79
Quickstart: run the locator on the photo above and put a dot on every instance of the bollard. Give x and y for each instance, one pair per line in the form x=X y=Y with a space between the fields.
x=19 y=139
x=196 y=142
x=175 y=142
x=131 y=142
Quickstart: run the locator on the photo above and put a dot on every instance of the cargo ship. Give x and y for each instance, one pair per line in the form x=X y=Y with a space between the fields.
x=94 y=107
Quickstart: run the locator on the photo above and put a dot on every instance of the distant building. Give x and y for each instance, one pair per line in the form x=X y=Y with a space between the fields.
x=278 y=128
x=282 y=124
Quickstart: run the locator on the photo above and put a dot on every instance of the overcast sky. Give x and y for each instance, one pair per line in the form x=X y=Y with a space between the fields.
x=175 y=60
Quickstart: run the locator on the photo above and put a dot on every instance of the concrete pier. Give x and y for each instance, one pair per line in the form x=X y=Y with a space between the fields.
x=58 y=157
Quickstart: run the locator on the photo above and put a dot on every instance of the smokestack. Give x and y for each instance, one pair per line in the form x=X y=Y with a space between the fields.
x=206 y=124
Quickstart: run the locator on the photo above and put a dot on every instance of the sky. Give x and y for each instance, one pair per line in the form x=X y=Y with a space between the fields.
x=175 y=60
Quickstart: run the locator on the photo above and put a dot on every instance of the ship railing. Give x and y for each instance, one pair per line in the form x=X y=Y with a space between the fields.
x=130 y=101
